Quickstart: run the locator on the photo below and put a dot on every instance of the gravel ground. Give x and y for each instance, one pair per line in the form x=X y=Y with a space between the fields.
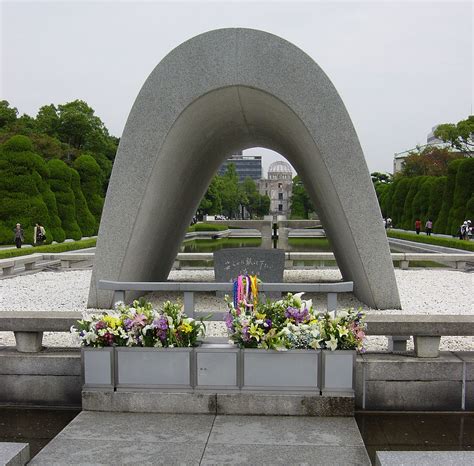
x=422 y=291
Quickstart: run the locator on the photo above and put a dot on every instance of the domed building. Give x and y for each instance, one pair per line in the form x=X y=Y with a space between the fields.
x=278 y=187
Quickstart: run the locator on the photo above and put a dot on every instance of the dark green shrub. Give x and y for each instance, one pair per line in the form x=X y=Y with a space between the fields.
x=470 y=209
x=209 y=227
x=398 y=201
x=463 y=190
x=442 y=223
x=436 y=199
x=91 y=183
x=440 y=241
x=50 y=248
x=24 y=191
x=85 y=219
x=421 y=201
x=60 y=183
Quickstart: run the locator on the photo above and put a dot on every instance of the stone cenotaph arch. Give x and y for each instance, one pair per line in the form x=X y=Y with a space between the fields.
x=217 y=93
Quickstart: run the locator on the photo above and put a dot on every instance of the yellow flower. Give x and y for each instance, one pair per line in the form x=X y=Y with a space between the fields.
x=260 y=316
x=111 y=322
x=186 y=328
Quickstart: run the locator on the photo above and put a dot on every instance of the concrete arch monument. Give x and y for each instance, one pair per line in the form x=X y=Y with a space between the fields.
x=219 y=92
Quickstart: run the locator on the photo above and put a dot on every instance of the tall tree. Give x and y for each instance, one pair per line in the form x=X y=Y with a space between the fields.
x=7 y=114
x=301 y=204
x=429 y=161
x=459 y=135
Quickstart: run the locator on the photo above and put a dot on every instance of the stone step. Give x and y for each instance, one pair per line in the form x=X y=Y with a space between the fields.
x=211 y=402
x=145 y=438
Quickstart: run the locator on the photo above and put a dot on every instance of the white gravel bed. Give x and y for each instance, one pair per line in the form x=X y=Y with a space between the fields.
x=422 y=291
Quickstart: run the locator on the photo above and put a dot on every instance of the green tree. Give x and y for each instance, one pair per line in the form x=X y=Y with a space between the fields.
x=402 y=186
x=436 y=199
x=463 y=191
x=60 y=182
x=7 y=114
x=443 y=223
x=378 y=177
x=459 y=135
x=91 y=184
x=301 y=204
x=25 y=193
x=254 y=202
x=429 y=161
x=230 y=194
x=211 y=203
x=86 y=221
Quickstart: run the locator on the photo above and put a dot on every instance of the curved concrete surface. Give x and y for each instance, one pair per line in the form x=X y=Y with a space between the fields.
x=219 y=92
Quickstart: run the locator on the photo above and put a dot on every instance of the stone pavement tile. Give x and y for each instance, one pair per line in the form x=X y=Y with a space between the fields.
x=285 y=430
x=61 y=451
x=263 y=455
x=140 y=427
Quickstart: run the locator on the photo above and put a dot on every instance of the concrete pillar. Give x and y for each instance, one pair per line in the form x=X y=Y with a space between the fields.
x=460 y=265
x=404 y=265
x=398 y=344
x=427 y=346
x=266 y=231
x=283 y=237
x=29 y=342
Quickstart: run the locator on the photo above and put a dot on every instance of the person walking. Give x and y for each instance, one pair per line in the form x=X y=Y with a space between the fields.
x=39 y=235
x=429 y=227
x=19 y=237
x=469 y=230
x=418 y=226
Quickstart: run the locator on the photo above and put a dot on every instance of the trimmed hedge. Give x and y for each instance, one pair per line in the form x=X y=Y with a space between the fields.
x=436 y=240
x=92 y=180
x=52 y=248
x=463 y=191
x=25 y=193
x=207 y=227
x=85 y=219
x=60 y=183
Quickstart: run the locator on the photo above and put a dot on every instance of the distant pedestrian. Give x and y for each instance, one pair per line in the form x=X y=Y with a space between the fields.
x=418 y=226
x=429 y=227
x=19 y=237
x=389 y=222
x=39 y=235
x=385 y=223
x=469 y=230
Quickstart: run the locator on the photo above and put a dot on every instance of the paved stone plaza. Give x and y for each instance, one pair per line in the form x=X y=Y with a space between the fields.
x=128 y=438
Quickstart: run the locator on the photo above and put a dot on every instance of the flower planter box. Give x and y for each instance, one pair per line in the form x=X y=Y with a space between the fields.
x=153 y=367
x=217 y=366
x=338 y=374
x=98 y=368
x=280 y=370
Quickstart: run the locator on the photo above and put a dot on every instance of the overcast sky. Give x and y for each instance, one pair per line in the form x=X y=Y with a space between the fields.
x=400 y=67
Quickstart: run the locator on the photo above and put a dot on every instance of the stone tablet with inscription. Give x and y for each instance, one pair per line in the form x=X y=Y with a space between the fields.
x=267 y=264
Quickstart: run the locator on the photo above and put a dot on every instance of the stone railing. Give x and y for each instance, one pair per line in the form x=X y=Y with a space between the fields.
x=189 y=288
x=425 y=329
x=28 y=326
x=292 y=259
x=38 y=261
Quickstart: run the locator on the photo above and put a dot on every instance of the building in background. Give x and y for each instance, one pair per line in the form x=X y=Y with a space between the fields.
x=277 y=186
x=245 y=166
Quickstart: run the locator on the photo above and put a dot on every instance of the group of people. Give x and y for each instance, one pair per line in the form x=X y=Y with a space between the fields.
x=465 y=230
x=39 y=235
x=428 y=226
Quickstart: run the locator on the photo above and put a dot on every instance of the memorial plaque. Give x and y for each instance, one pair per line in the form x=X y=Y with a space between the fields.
x=267 y=264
